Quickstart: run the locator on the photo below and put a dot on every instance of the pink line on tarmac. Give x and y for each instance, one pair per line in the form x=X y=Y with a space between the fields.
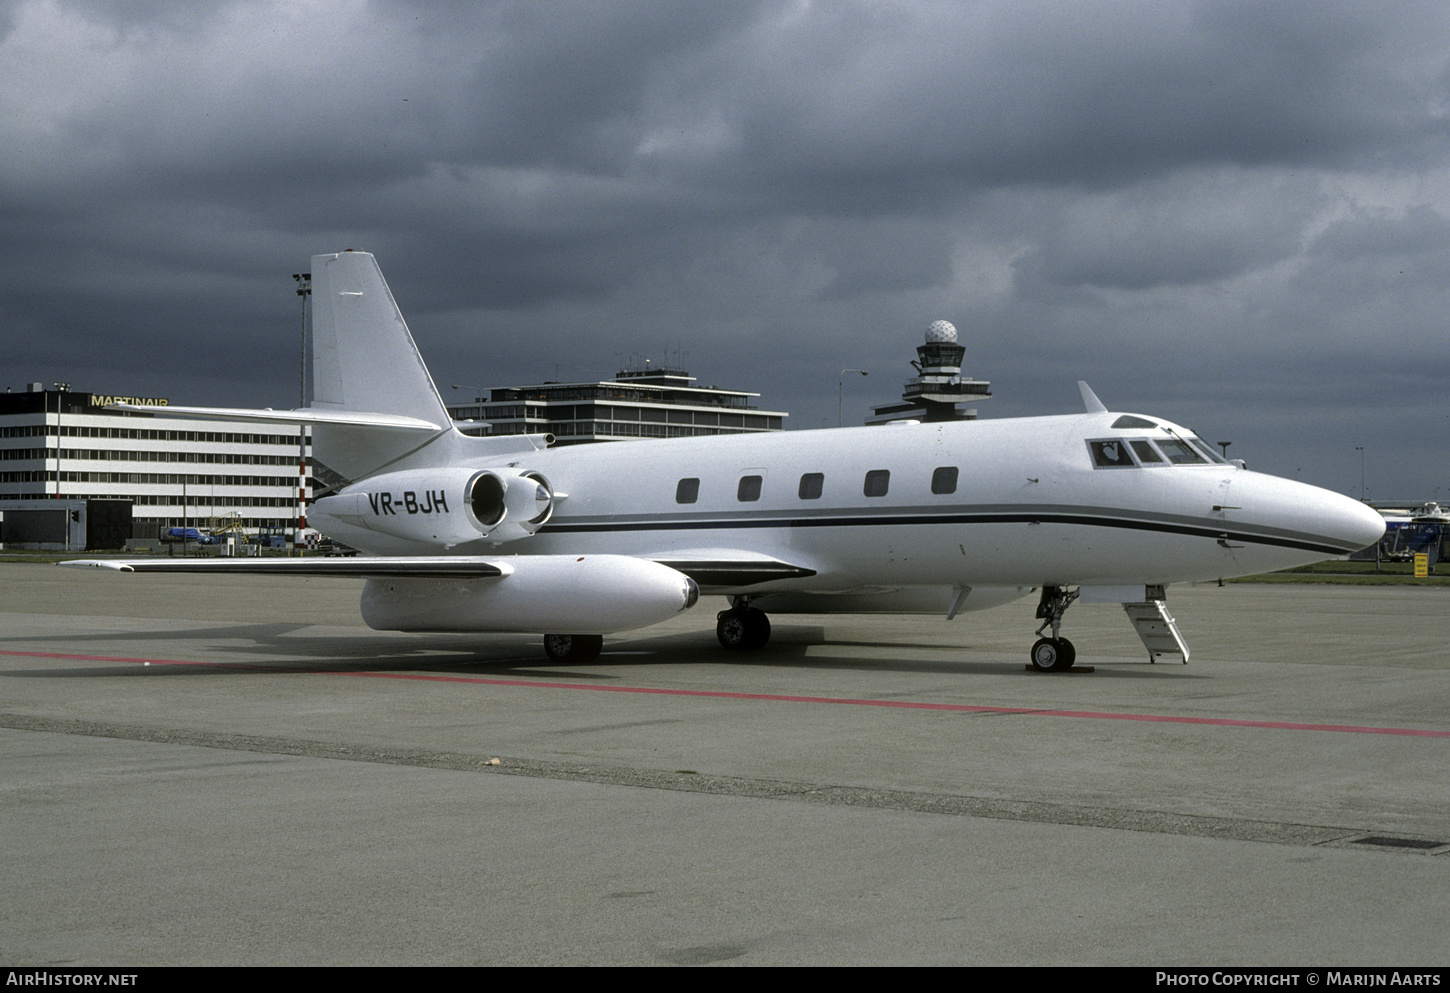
x=961 y=708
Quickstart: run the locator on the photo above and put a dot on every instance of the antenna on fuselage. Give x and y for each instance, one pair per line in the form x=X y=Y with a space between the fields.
x=1090 y=399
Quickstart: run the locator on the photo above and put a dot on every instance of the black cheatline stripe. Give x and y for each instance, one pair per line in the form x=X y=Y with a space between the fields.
x=1307 y=543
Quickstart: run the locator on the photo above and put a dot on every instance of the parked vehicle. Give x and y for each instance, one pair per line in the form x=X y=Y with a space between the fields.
x=190 y=534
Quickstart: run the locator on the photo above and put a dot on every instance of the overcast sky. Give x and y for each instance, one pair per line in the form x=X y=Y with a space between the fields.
x=1234 y=215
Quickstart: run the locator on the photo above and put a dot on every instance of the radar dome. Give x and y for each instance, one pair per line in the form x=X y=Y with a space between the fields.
x=940 y=331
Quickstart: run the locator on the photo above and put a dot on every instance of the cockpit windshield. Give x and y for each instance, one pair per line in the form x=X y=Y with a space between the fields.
x=1207 y=449
x=1180 y=452
x=1133 y=453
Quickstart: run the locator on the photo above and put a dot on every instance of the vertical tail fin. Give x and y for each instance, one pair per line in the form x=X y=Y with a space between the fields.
x=362 y=356
x=362 y=359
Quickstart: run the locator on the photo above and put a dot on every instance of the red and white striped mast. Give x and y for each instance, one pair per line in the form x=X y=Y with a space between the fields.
x=304 y=290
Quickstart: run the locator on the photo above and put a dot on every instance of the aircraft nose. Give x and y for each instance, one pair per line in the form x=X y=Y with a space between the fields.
x=1361 y=525
x=1337 y=522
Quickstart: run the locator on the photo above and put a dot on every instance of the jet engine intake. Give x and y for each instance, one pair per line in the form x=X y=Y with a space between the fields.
x=508 y=504
x=446 y=507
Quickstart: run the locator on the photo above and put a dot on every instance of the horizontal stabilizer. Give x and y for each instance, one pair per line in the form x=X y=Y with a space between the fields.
x=306 y=415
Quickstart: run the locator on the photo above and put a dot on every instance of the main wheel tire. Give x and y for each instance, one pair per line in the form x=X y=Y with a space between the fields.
x=731 y=630
x=1069 y=653
x=758 y=626
x=742 y=629
x=1053 y=655
x=573 y=647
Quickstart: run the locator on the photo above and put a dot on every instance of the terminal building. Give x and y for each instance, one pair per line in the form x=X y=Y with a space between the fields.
x=76 y=475
x=647 y=403
x=60 y=444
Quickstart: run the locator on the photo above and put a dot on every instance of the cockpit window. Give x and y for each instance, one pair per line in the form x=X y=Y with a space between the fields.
x=1129 y=453
x=1147 y=454
x=1206 y=449
x=1130 y=421
x=1180 y=452
x=1111 y=454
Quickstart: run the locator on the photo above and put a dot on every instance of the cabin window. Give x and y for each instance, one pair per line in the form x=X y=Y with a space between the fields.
x=811 y=484
x=944 y=479
x=877 y=480
x=749 y=490
x=688 y=491
x=1112 y=454
x=1147 y=454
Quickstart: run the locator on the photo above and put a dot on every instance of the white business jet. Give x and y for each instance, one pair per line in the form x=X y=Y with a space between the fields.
x=506 y=534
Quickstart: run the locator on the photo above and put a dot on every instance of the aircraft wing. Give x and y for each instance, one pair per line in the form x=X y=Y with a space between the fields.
x=727 y=569
x=365 y=566
x=711 y=569
x=584 y=595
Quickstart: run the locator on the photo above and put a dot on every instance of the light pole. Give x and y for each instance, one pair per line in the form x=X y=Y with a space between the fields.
x=1224 y=445
x=1360 y=450
x=481 y=397
x=60 y=388
x=841 y=389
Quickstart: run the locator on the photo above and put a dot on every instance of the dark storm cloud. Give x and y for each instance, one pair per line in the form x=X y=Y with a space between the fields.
x=936 y=95
x=1180 y=201
x=1193 y=229
x=1420 y=231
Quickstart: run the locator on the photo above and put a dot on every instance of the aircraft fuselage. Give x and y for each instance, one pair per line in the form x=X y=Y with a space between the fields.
x=507 y=534
x=1019 y=502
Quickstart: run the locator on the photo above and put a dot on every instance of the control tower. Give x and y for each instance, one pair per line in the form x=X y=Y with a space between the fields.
x=938 y=391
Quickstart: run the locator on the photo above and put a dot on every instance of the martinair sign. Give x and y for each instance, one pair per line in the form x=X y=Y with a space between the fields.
x=103 y=401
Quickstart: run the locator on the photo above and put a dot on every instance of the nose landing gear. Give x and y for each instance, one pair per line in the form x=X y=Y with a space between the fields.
x=1054 y=654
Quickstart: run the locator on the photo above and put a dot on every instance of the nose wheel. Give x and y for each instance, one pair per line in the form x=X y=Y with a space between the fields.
x=1054 y=654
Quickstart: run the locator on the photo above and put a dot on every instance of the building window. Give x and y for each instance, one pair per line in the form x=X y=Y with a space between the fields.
x=749 y=490
x=877 y=480
x=944 y=479
x=811 y=484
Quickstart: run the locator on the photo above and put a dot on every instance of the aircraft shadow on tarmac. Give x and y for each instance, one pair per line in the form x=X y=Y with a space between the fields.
x=289 y=648
x=789 y=645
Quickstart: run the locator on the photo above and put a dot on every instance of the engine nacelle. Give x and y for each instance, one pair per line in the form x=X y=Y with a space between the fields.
x=540 y=594
x=509 y=504
x=446 y=507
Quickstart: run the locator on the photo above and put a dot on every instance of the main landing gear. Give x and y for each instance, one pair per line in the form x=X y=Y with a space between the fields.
x=573 y=647
x=742 y=627
x=1055 y=654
